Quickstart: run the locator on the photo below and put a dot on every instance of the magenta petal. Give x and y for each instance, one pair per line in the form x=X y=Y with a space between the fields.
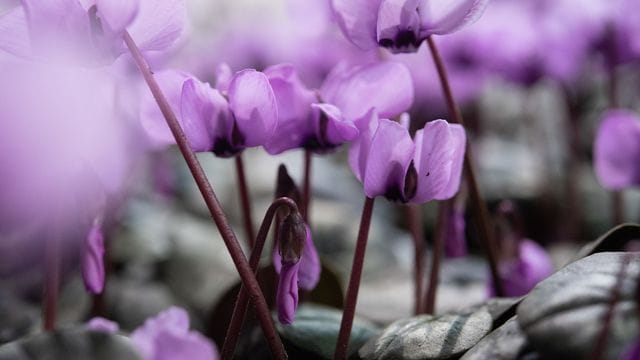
x=310 y=267
x=617 y=150
x=444 y=17
x=202 y=106
x=14 y=33
x=390 y=154
x=439 y=157
x=102 y=324
x=359 y=149
x=93 y=273
x=520 y=275
x=294 y=101
x=254 y=106
x=158 y=24
x=385 y=86
x=338 y=129
x=287 y=295
x=357 y=20
x=117 y=14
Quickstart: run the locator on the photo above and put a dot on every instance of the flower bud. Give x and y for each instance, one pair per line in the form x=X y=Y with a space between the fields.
x=292 y=236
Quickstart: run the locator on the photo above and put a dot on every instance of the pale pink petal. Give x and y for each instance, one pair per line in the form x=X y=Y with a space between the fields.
x=158 y=24
x=359 y=149
x=357 y=20
x=117 y=14
x=443 y=17
x=14 y=33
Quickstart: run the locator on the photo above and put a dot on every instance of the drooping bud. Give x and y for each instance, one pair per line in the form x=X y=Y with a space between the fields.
x=93 y=272
x=292 y=237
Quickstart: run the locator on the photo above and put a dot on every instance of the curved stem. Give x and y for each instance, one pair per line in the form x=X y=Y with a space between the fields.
x=354 y=281
x=240 y=307
x=245 y=200
x=442 y=222
x=230 y=240
x=414 y=220
x=479 y=207
x=306 y=187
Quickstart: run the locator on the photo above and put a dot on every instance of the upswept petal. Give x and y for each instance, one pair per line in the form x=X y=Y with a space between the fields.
x=153 y=122
x=385 y=86
x=617 y=150
x=398 y=26
x=357 y=20
x=196 y=109
x=14 y=33
x=359 y=149
x=439 y=155
x=287 y=293
x=338 y=130
x=254 y=106
x=294 y=112
x=117 y=14
x=158 y=24
x=388 y=159
x=446 y=16
x=309 y=273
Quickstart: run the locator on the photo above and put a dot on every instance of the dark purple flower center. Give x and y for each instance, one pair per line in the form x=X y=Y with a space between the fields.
x=224 y=147
x=319 y=142
x=404 y=41
x=408 y=190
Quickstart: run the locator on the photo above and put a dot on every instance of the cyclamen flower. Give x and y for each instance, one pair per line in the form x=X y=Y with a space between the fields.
x=617 y=150
x=93 y=272
x=520 y=275
x=89 y=32
x=323 y=120
x=224 y=122
x=389 y=163
x=402 y=25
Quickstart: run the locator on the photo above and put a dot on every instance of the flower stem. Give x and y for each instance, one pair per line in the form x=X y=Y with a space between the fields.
x=442 y=222
x=240 y=307
x=479 y=207
x=306 y=186
x=354 y=281
x=230 y=240
x=245 y=200
x=414 y=220
x=51 y=282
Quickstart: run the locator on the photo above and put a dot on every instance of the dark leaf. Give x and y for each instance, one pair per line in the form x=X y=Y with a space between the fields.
x=427 y=337
x=314 y=333
x=563 y=315
x=615 y=239
x=70 y=344
x=505 y=343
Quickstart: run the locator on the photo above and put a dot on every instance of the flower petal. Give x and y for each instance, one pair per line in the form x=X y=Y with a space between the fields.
x=440 y=148
x=398 y=26
x=190 y=345
x=310 y=267
x=338 y=130
x=388 y=160
x=617 y=150
x=103 y=325
x=385 y=86
x=158 y=24
x=14 y=33
x=174 y=319
x=254 y=106
x=294 y=112
x=359 y=149
x=287 y=294
x=443 y=17
x=93 y=273
x=117 y=14
x=357 y=20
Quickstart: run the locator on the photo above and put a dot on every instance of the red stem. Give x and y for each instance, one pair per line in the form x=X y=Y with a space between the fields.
x=228 y=236
x=245 y=201
x=51 y=283
x=479 y=207
x=354 y=281
x=242 y=301
x=414 y=220
x=442 y=223
x=306 y=186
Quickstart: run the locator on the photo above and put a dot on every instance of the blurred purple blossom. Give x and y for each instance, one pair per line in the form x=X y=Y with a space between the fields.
x=287 y=294
x=455 y=244
x=617 y=150
x=389 y=163
x=519 y=275
x=93 y=268
x=309 y=273
x=402 y=25
x=167 y=337
x=102 y=324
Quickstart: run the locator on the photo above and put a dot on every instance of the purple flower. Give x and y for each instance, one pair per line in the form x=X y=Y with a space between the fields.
x=389 y=163
x=617 y=150
x=520 y=275
x=102 y=324
x=89 y=31
x=167 y=337
x=223 y=122
x=287 y=295
x=455 y=244
x=309 y=273
x=402 y=25
x=93 y=273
